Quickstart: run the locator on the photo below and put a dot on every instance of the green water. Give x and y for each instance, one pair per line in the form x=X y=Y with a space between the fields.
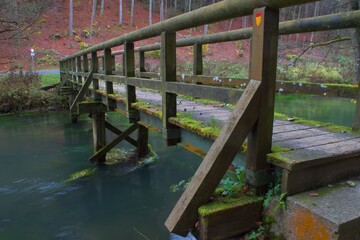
x=38 y=152
x=339 y=111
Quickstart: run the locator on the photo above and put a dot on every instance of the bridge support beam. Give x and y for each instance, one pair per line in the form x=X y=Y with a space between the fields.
x=108 y=66
x=263 y=62
x=129 y=71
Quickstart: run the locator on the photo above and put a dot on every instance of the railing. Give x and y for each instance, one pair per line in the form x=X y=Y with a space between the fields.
x=254 y=113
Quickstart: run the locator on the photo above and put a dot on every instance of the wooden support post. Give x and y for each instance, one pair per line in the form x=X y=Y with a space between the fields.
x=85 y=64
x=129 y=67
x=170 y=132
x=216 y=162
x=108 y=63
x=78 y=70
x=73 y=69
x=142 y=61
x=113 y=63
x=95 y=69
x=263 y=68
x=198 y=60
x=142 y=140
x=99 y=135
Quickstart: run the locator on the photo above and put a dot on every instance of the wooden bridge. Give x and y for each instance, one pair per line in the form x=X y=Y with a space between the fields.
x=310 y=155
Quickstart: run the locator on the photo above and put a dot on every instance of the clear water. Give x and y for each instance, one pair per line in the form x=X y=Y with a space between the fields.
x=339 y=111
x=38 y=152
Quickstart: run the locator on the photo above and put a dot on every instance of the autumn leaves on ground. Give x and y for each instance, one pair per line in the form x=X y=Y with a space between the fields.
x=49 y=35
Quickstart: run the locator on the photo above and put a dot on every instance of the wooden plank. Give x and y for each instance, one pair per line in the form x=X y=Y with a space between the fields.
x=145 y=83
x=91 y=107
x=225 y=95
x=170 y=132
x=102 y=152
x=129 y=65
x=318 y=155
x=291 y=128
x=263 y=68
x=149 y=75
x=216 y=161
x=286 y=136
x=81 y=93
x=143 y=141
x=78 y=69
x=315 y=140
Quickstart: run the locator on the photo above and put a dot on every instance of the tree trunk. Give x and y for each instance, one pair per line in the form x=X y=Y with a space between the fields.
x=150 y=12
x=132 y=12
x=161 y=10
x=102 y=7
x=120 y=12
x=315 y=14
x=71 y=18
x=92 y=19
x=354 y=5
x=206 y=27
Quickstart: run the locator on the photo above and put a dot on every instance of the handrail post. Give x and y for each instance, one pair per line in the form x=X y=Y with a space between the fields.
x=85 y=64
x=170 y=132
x=95 y=69
x=141 y=62
x=78 y=70
x=108 y=64
x=263 y=68
x=129 y=71
x=198 y=61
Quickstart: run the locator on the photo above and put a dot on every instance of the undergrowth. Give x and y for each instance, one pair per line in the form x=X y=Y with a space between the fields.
x=21 y=91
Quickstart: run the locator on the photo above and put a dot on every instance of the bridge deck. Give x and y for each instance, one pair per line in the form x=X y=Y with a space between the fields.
x=299 y=147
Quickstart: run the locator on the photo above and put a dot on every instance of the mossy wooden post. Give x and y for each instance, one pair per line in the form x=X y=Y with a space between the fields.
x=170 y=132
x=129 y=67
x=142 y=62
x=95 y=68
x=85 y=64
x=142 y=141
x=263 y=68
x=108 y=63
x=99 y=135
x=198 y=60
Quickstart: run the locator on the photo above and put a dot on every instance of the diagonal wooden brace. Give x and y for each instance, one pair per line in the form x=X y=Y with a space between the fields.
x=216 y=162
x=102 y=152
x=115 y=130
x=81 y=93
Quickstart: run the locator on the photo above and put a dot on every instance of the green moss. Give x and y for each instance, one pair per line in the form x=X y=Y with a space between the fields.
x=226 y=203
x=80 y=175
x=278 y=149
x=327 y=126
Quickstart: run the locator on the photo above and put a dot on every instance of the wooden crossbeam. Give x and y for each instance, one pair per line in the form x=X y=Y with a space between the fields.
x=115 y=130
x=216 y=161
x=82 y=92
x=102 y=152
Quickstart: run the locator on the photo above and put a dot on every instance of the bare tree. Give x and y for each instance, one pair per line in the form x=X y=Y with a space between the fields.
x=132 y=12
x=102 y=7
x=71 y=18
x=94 y=3
x=120 y=12
x=150 y=12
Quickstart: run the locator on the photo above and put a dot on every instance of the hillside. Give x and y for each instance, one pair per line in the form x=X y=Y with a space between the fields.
x=50 y=34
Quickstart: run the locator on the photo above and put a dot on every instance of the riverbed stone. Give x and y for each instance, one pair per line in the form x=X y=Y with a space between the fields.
x=328 y=213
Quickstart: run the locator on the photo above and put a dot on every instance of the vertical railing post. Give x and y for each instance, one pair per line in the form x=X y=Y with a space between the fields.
x=78 y=70
x=263 y=68
x=141 y=62
x=198 y=61
x=61 y=71
x=170 y=132
x=95 y=69
x=108 y=63
x=129 y=71
x=85 y=64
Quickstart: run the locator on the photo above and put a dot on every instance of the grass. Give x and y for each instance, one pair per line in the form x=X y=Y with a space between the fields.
x=49 y=79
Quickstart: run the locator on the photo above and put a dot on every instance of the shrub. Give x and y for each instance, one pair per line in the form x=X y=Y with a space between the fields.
x=22 y=92
x=83 y=45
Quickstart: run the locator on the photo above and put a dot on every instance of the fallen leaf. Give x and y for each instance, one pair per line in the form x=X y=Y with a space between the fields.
x=313 y=194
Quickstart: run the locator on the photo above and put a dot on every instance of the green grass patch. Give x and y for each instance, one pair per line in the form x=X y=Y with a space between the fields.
x=49 y=79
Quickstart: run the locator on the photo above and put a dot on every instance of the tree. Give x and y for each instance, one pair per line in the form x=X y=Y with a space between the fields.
x=94 y=3
x=102 y=7
x=132 y=12
x=120 y=12
x=150 y=12
x=17 y=22
x=71 y=18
